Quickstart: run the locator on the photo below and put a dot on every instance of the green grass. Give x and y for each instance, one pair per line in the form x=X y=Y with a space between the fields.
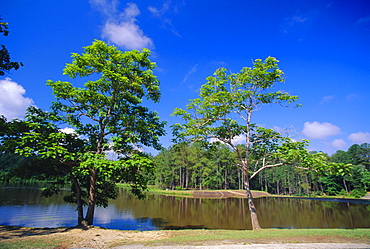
x=200 y=237
x=30 y=243
x=154 y=190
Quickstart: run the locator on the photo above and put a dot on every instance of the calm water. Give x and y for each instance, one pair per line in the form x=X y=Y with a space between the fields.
x=25 y=207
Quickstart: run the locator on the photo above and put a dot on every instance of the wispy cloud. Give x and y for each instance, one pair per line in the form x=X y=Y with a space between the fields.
x=161 y=14
x=364 y=20
x=297 y=20
x=192 y=71
x=352 y=96
x=13 y=103
x=317 y=130
x=121 y=27
x=327 y=98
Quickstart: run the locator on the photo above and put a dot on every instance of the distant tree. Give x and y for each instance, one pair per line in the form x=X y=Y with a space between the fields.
x=359 y=157
x=107 y=116
x=8 y=164
x=224 y=110
x=223 y=173
x=5 y=64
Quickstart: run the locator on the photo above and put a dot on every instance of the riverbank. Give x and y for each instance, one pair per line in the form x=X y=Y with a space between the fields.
x=240 y=194
x=23 y=237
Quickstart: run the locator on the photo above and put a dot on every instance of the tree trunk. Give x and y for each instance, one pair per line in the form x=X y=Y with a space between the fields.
x=92 y=198
x=181 y=177
x=187 y=178
x=252 y=208
x=345 y=185
x=80 y=213
x=239 y=185
x=225 y=179
x=308 y=185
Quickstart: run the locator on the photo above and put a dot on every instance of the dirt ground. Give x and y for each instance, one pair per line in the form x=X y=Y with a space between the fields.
x=227 y=194
x=105 y=238
x=77 y=238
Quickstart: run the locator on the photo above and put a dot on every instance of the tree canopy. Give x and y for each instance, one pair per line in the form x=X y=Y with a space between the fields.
x=223 y=112
x=107 y=117
x=5 y=63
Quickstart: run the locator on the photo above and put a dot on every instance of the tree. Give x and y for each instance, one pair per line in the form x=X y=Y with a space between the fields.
x=107 y=116
x=224 y=110
x=5 y=64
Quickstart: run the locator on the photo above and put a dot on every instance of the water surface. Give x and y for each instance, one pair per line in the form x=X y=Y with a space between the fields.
x=25 y=207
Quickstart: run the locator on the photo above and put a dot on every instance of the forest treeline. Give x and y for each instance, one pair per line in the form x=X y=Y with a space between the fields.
x=191 y=166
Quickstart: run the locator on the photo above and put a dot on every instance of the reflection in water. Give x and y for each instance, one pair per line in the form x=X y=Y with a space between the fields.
x=25 y=207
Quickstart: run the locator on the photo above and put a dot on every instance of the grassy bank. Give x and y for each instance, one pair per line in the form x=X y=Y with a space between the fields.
x=154 y=190
x=16 y=237
x=264 y=236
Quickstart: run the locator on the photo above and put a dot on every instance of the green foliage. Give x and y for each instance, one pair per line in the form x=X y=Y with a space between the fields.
x=358 y=193
x=107 y=116
x=8 y=165
x=5 y=63
x=223 y=112
x=225 y=99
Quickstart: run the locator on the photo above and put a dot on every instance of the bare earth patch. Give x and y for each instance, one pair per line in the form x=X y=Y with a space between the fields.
x=227 y=194
x=75 y=237
x=105 y=238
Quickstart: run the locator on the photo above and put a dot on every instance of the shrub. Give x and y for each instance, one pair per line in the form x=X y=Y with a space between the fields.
x=358 y=193
x=343 y=192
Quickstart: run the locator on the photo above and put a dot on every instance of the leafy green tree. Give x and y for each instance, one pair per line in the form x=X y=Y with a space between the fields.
x=358 y=156
x=8 y=163
x=224 y=111
x=5 y=64
x=222 y=166
x=165 y=173
x=108 y=116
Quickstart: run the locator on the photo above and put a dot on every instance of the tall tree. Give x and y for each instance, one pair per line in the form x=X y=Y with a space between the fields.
x=224 y=112
x=108 y=116
x=5 y=64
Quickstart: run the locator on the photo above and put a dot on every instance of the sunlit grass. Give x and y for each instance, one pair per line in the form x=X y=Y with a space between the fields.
x=200 y=237
x=30 y=243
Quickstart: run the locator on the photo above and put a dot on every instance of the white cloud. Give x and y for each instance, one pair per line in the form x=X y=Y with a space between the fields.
x=127 y=35
x=360 y=137
x=68 y=130
x=120 y=26
x=338 y=143
x=317 y=130
x=12 y=102
x=240 y=139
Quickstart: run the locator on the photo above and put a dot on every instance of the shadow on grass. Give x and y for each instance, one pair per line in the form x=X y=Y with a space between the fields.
x=10 y=232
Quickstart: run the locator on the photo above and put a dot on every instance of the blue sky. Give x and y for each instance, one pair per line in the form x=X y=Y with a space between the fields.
x=323 y=47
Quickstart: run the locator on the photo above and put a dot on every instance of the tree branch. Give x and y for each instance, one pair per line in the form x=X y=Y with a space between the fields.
x=264 y=167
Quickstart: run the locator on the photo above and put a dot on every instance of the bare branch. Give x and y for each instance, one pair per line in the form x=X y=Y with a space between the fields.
x=264 y=167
